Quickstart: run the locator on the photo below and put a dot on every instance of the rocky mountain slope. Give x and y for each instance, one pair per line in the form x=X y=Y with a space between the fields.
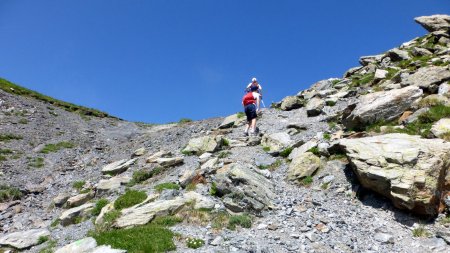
x=353 y=164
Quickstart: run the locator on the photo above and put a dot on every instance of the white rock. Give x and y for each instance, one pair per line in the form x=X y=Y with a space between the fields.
x=84 y=245
x=24 y=239
x=159 y=154
x=441 y=128
x=68 y=217
x=380 y=74
x=118 y=167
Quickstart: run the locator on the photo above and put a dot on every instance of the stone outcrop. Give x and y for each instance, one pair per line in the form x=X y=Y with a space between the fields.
x=112 y=184
x=428 y=78
x=441 y=128
x=24 y=239
x=315 y=107
x=435 y=22
x=407 y=169
x=118 y=167
x=291 y=102
x=232 y=120
x=157 y=155
x=70 y=216
x=79 y=199
x=276 y=141
x=204 y=144
x=87 y=245
x=243 y=188
x=303 y=165
x=383 y=105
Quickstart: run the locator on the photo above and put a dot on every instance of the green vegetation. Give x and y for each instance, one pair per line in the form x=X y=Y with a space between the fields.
x=10 y=137
x=240 y=115
x=213 y=190
x=8 y=193
x=194 y=243
x=42 y=239
x=307 y=181
x=224 y=154
x=78 y=184
x=314 y=150
x=441 y=63
x=330 y=103
x=54 y=223
x=338 y=157
x=191 y=187
x=36 y=162
x=445 y=136
x=18 y=90
x=225 y=142
x=6 y=151
x=243 y=220
x=327 y=136
x=184 y=120
x=146 y=238
x=50 y=247
x=166 y=186
x=420 y=231
x=267 y=149
x=286 y=152
x=99 y=206
x=49 y=148
x=325 y=186
x=23 y=121
x=272 y=166
x=332 y=124
x=359 y=80
x=429 y=101
x=187 y=153
x=129 y=199
x=142 y=175
x=336 y=81
x=391 y=73
x=3 y=158
x=167 y=221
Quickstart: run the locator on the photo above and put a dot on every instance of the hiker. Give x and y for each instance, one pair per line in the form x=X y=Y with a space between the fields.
x=251 y=101
x=254 y=83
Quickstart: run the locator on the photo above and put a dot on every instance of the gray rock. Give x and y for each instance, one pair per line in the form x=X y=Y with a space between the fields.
x=139 y=152
x=444 y=89
x=157 y=155
x=417 y=51
x=380 y=74
x=415 y=115
x=170 y=161
x=428 y=78
x=315 y=107
x=24 y=239
x=441 y=128
x=384 y=238
x=302 y=149
x=398 y=55
x=435 y=22
x=61 y=199
x=302 y=166
x=217 y=241
x=232 y=120
x=400 y=166
x=276 y=141
x=112 y=184
x=323 y=85
x=291 y=102
x=79 y=199
x=69 y=216
x=84 y=245
x=204 y=144
x=118 y=167
x=370 y=59
x=106 y=249
x=383 y=105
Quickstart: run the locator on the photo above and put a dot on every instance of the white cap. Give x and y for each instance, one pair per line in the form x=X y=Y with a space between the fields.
x=254 y=79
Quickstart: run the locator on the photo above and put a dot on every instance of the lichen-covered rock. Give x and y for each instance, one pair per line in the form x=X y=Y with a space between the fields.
x=435 y=22
x=383 y=105
x=245 y=187
x=303 y=165
x=276 y=141
x=204 y=144
x=24 y=239
x=70 y=216
x=291 y=102
x=407 y=169
x=428 y=78
x=441 y=128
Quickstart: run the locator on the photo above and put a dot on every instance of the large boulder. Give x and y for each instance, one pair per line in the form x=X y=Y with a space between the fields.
x=204 y=144
x=435 y=22
x=118 y=167
x=303 y=165
x=159 y=154
x=276 y=141
x=170 y=161
x=315 y=106
x=80 y=199
x=291 y=102
x=383 y=105
x=405 y=168
x=232 y=120
x=24 y=239
x=243 y=188
x=81 y=246
x=72 y=215
x=441 y=128
x=112 y=184
x=302 y=149
x=428 y=78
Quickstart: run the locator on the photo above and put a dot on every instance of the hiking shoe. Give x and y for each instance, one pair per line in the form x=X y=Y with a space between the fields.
x=245 y=133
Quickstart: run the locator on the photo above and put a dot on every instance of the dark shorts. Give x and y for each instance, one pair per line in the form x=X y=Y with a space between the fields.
x=250 y=111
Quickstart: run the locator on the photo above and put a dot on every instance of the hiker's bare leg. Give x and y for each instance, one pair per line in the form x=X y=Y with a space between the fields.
x=253 y=125
x=246 y=127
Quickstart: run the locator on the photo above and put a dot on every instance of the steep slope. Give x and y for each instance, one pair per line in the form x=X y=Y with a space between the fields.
x=344 y=166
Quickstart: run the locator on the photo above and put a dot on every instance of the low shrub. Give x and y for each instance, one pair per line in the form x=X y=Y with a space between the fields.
x=243 y=220
x=224 y=154
x=8 y=193
x=166 y=186
x=167 y=221
x=36 y=162
x=49 y=148
x=314 y=150
x=99 y=206
x=307 y=181
x=194 y=243
x=286 y=152
x=129 y=199
x=10 y=137
x=78 y=184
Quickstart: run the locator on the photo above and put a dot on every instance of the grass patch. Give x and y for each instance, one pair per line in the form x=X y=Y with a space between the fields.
x=50 y=247
x=220 y=220
x=6 y=151
x=266 y=149
x=10 y=137
x=225 y=142
x=213 y=190
x=36 y=162
x=224 y=154
x=8 y=193
x=99 y=206
x=23 y=121
x=286 y=152
x=54 y=223
x=391 y=73
x=166 y=186
x=191 y=187
x=445 y=136
x=49 y=148
x=184 y=120
x=78 y=184
x=129 y=199
x=243 y=220
x=327 y=136
x=240 y=115
x=314 y=150
x=307 y=181
x=3 y=158
x=18 y=90
x=167 y=221
x=187 y=153
x=420 y=232
x=338 y=157
x=332 y=124
x=359 y=80
x=272 y=166
x=325 y=186
x=42 y=239
x=141 y=175
x=147 y=238
x=194 y=243
x=330 y=103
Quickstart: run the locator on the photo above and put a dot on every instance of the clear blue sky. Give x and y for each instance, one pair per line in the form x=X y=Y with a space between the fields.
x=162 y=60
